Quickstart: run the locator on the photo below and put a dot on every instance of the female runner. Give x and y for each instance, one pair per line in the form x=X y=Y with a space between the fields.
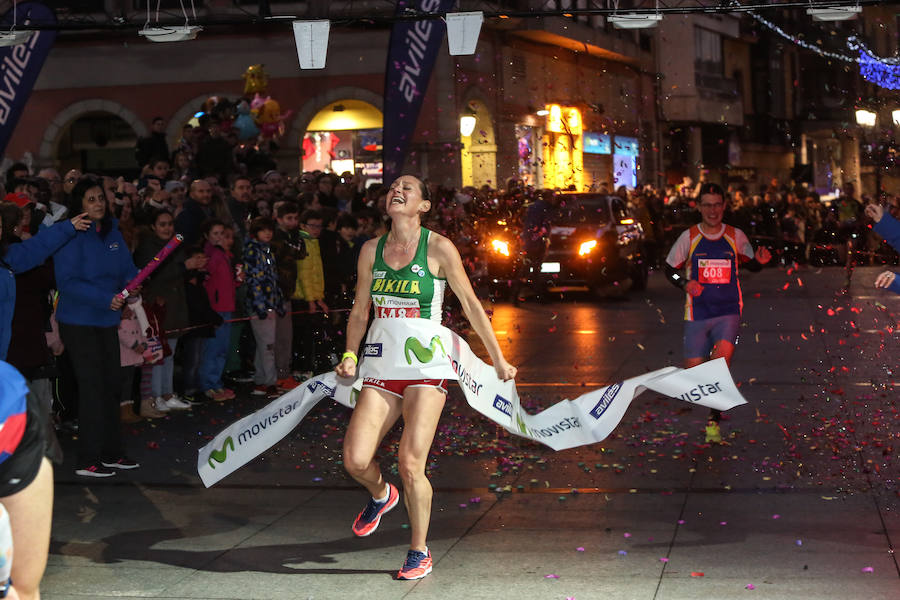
x=403 y=254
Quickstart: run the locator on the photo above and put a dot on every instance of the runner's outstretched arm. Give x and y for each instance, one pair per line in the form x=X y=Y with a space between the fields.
x=453 y=270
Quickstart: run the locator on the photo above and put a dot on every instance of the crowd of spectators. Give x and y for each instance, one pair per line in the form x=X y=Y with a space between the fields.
x=258 y=289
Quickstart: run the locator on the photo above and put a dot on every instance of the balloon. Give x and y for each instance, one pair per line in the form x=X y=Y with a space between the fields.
x=244 y=124
x=255 y=80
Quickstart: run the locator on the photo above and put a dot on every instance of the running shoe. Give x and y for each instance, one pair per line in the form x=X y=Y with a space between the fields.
x=217 y=395
x=175 y=403
x=367 y=521
x=417 y=565
x=95 y=471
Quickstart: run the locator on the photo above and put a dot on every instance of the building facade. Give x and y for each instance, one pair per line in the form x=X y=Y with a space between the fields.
x=562 y=101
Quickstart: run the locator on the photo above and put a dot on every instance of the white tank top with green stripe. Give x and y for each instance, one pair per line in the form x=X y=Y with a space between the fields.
x=408 y=293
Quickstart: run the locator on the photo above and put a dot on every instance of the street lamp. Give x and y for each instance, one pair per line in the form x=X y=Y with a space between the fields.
x=866 y=118
x=466 y=125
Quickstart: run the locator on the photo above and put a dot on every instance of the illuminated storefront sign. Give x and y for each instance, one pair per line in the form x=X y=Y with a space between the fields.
x=563 y=148
x=597 y=143
x=625 y=161
x=627 y=146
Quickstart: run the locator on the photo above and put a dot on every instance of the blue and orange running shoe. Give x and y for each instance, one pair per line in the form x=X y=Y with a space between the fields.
x=367 y=521
x=417 y=565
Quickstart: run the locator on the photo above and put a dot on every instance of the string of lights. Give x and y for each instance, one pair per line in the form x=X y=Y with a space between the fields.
x=882 y=71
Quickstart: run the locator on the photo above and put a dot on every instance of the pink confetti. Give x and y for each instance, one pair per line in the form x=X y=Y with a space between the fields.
x=868 y=569
x=627 y=535
x=551 y=576
x=579 y=549
x=723 y=522
x=750 y=586
x=776 y=516
x=663 y=559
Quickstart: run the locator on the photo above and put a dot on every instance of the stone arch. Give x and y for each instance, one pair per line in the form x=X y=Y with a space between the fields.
x=315 y=104
x=184 y=114
x=47 y=151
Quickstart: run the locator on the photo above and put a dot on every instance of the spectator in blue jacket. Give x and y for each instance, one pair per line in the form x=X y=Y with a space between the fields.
x=91 y=270
x=888 y=227
x=24 y=256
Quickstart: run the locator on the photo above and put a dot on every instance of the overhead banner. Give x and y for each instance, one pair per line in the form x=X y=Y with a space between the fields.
x=413 y=49
x=422 y=349
x=21 y=64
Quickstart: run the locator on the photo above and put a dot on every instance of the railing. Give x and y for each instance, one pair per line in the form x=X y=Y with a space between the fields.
x=716 y=85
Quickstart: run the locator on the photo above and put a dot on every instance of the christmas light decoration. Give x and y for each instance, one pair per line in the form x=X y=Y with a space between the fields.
x=883 y=72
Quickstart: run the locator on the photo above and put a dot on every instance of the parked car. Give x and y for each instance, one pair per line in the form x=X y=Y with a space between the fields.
x=592 y=241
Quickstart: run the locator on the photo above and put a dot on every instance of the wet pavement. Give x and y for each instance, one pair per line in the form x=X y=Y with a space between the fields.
x=801 y=502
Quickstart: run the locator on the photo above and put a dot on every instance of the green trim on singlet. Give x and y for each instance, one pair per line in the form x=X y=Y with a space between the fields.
x=411 y=291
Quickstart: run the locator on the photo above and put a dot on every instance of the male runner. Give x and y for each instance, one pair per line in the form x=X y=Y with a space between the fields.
x=709 y=253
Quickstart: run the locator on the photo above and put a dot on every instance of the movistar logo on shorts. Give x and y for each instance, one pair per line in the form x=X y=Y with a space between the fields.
x=606 y=400
x=503 y=405
x=372 y=350
x=425 y=355
x=220 y=455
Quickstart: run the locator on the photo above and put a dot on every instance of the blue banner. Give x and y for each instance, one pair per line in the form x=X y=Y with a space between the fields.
x=413 y=50
x=21 y=64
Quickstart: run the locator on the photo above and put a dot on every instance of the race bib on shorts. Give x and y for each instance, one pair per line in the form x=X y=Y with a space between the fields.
x=714 y=270
x=391 y=307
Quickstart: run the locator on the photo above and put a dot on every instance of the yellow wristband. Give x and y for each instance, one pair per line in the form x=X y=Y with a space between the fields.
x=351 y=355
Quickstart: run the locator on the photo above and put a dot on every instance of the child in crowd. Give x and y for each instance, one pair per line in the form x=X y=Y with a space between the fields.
x=203 y=320
x=264 y=301
x=132 y=345
x=220 y=289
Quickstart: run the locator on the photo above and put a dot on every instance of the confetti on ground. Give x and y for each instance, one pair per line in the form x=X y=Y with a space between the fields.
x=750 y=586
x=868 y=569
x=551 y=576
x=579 y=549
x=696 y=574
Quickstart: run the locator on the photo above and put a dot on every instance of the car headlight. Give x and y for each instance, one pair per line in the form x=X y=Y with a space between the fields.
x=500 y=247
x=587 y=247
